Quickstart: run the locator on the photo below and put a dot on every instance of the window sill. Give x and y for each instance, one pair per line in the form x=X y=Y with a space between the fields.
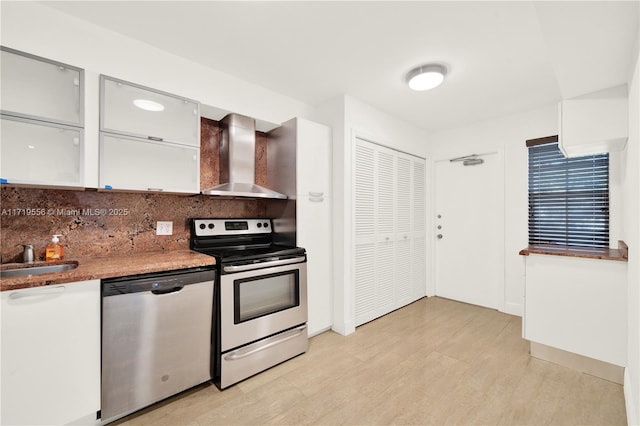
x=621 y=253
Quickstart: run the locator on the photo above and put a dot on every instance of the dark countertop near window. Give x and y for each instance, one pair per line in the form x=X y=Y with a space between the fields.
x=109 y=267
x=621 y=253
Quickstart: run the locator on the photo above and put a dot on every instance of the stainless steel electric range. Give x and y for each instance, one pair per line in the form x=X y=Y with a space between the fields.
x=260 y=309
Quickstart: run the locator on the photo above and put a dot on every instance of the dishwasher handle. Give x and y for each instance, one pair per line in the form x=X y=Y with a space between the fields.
x=157 y=283
x=167 y=290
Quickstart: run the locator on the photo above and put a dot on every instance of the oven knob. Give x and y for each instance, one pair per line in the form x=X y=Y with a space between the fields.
x=259 y=225
x=202 y=226
x=266 y=224
x=211 y=226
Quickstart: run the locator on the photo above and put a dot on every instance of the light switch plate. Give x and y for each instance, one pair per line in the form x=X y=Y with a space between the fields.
x=164 y=228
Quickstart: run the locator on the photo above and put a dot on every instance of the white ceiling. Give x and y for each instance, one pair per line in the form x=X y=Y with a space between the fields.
x=503 y=57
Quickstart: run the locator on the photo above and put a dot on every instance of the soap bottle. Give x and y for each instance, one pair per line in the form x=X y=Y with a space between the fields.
x=55 y=250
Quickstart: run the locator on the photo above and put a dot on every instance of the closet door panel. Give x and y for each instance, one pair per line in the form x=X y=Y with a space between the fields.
x=364 y=196
x=365 y=289
x=385 y=195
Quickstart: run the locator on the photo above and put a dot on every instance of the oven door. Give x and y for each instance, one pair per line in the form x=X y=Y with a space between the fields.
x=260 y=303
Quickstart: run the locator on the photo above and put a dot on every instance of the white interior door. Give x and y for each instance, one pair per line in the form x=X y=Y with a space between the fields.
x=469 y=245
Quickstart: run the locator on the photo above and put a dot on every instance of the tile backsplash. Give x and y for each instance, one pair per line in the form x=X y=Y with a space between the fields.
x=95 y=223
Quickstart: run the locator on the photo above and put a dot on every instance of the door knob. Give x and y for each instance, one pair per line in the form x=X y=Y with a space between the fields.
x=439 y=236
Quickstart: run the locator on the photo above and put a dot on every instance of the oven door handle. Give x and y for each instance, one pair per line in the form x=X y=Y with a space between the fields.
x=241 y=268
x=291 y=334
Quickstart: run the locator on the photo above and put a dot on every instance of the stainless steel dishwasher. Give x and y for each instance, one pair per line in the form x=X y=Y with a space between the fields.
x=156 y=337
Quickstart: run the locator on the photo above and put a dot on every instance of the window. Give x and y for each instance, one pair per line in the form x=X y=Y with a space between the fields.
x=568 y=197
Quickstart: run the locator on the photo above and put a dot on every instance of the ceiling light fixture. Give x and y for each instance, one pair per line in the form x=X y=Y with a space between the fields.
x=426 y=77
x=148 y=105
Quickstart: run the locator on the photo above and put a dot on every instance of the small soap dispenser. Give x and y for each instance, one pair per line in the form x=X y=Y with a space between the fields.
x=55 y=250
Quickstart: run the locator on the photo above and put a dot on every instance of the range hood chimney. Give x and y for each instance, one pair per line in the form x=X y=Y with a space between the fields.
x=237 y=161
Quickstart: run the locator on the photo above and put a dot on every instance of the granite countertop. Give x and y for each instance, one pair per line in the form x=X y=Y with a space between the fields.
x=586 y=252
x=108 y=267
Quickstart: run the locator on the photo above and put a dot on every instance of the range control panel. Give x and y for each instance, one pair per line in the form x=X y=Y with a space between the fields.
x=215 y=227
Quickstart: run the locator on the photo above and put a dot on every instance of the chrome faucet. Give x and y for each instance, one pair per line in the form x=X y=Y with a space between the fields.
x=27 y=254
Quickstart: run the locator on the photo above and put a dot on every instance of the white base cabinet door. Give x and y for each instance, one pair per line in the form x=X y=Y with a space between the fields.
x=50 y=354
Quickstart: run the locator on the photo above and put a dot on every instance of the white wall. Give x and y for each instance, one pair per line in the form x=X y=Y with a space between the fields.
x=349 y=118
x=40 y=30
x=631 y=235
x=508 y=135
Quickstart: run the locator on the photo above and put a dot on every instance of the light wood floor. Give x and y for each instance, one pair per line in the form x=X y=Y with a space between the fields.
x=435 y=361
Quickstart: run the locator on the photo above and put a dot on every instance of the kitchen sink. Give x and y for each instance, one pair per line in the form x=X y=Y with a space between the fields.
x=37 y=270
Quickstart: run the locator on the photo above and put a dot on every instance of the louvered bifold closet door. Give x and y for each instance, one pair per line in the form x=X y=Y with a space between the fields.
x=385 y=226
x=418 y=229
x=365 y=244
x=403 y=239
x=387 y=241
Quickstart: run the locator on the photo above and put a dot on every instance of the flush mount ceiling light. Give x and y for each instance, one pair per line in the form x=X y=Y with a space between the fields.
x=148 y=105
x=426 y=77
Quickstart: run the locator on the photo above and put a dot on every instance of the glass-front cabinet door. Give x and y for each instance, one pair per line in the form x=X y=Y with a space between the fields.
x=133 y=110
x=37 y=88
x=38 y=152
x=142 y=165
x=42 y=110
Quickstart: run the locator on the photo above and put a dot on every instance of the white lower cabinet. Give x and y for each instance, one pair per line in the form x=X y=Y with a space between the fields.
x=577 y=305
x=142 y=165
x=50 y=354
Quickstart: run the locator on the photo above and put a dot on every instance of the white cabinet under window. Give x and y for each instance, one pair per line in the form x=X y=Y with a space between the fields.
x=577 y=305
x=42 y=121
x=140 y=165
x=51 y=354
x=390 y=242
x=150 y=140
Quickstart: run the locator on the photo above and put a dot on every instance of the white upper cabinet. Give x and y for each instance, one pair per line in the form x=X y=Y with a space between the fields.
x=133 y=110
x=594 y=123
x=142 y=165
x=42 y=139
x=149 y=140
x=35 y=152
x=313 y=158
x=41 y=89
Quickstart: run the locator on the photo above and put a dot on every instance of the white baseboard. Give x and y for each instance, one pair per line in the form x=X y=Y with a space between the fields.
x=630 y=402
x=595 y=367
x=316 y=332
x=513 y=309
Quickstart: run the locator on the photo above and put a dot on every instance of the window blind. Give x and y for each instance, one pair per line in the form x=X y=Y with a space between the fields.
x=568 y=197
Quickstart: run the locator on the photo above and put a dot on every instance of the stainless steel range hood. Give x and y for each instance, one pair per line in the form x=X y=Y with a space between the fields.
x=237 y=161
